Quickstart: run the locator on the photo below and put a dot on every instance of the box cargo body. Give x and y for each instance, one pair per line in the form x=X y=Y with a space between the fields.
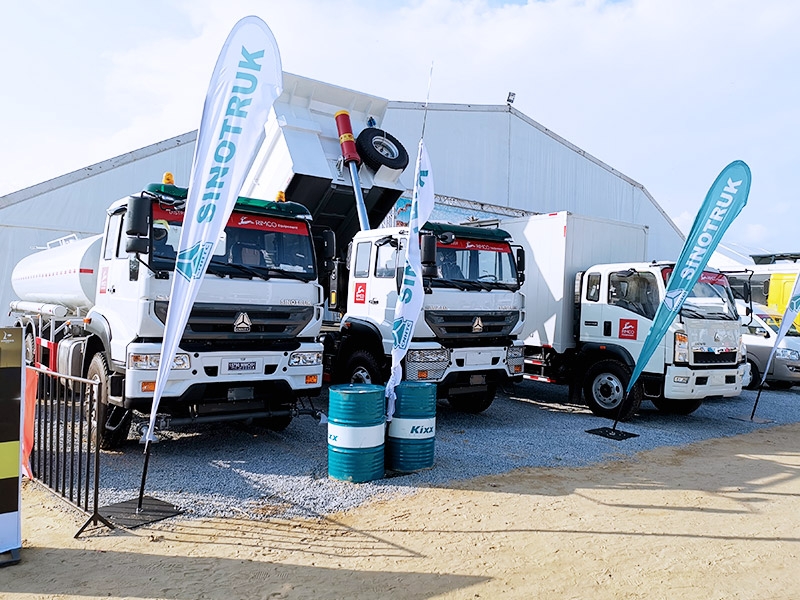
x=558 y=246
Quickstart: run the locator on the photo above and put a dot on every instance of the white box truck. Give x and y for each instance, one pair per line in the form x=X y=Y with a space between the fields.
x=589 y=301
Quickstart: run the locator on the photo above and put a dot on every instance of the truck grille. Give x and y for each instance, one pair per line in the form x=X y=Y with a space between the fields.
x=216 y=321
x=709 y=358
x=461 y=324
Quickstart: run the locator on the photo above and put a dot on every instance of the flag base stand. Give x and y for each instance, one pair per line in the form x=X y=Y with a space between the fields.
x=750 y=419
x=128 y=514
x=13 y=557
x=612 y=434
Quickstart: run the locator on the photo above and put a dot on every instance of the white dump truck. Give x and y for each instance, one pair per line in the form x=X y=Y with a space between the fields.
x=96 y=308
x=590 y=298
x=466 y=340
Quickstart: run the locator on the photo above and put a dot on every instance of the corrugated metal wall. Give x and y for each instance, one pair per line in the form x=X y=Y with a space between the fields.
x=497 y=155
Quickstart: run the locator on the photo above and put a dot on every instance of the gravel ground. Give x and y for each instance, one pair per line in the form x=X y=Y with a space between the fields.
x=236 y=470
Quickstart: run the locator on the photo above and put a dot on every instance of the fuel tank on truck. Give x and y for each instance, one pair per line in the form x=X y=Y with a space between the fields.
x=64 y=275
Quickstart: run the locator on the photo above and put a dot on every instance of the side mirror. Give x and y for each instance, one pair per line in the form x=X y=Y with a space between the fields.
x=746 y=291
x=428 y=255
x=328 y=244
x=521 y=265
x=137 y=245
x=137 y=216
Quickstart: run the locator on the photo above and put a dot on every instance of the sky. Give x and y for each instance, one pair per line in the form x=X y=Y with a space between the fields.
x=667 y=92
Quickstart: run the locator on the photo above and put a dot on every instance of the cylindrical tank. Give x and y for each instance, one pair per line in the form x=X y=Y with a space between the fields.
x=64 y=275
x=356 y=430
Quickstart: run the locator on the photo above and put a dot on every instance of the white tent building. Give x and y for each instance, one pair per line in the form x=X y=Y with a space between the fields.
x=485 y=158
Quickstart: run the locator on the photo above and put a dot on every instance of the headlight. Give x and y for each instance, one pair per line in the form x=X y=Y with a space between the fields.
x=418 y=356
x=681 y=347
x=787 y=354
x=305 y=359
x=150 y=362
x=515 y=352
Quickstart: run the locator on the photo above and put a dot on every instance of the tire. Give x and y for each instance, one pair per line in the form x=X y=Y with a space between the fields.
x=755 y=377
x=363 y=367
x=669 y=406
x=473 y=403
x=114 y=422
x=604 y=390
x=30 y=348
x=779 y=385
x=378 y=148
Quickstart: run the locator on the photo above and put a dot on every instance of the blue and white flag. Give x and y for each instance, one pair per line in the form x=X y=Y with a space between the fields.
x=724 y=201
x=792 y=308
x=247 y=80
x=411 y=296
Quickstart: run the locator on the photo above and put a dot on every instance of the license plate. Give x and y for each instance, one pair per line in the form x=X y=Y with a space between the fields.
x=241 y=366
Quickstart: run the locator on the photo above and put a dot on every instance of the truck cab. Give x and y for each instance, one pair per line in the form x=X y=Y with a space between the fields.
x=465 y=341
x=249 y=349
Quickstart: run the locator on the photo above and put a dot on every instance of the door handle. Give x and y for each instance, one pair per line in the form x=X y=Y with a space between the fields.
x=373 y=300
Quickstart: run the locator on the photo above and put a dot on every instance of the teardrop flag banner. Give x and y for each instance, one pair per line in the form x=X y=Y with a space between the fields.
x=792 y=308
x=247 y=80
x=411 y=296
x=724 y=201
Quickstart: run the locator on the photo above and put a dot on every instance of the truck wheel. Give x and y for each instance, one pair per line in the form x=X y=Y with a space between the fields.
x=378 y=148
x=114 y=422
x=669 y=406
x=604 y=390
x=30 y=348
x=363 y=367
x=473 y=403
x=755 y=377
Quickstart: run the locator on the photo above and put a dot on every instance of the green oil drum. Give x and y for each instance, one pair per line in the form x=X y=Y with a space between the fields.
x=411 y=433
x=356 y=430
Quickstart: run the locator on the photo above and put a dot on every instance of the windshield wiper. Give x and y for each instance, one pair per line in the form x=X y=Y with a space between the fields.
x=247 y=270
x=286 y=273
x=721 y=315
x=690 y=312
x=456 y=283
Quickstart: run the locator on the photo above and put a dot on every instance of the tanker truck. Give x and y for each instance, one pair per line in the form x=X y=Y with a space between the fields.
x=96 y=308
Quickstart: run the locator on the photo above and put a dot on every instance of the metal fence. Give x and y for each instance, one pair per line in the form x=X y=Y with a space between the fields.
x=66 y=449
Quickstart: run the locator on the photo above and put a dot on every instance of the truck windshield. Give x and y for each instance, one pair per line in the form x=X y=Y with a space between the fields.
x=251 y=245
x=710 y=298
x=477 y=263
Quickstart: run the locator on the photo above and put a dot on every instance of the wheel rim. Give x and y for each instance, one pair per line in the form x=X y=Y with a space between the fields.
x=361 y=375
x=607 y=390
x=385 y=147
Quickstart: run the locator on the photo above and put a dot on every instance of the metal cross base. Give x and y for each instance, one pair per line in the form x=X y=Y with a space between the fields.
x=612 y=434
x=128 y=514
x=750 y=419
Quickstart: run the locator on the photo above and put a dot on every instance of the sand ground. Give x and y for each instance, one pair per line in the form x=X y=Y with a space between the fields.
x=716 y=519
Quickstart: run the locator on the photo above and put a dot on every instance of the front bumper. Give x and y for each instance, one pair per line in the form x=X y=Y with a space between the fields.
x=463 y=362
x=209 y=370
x=683 y=383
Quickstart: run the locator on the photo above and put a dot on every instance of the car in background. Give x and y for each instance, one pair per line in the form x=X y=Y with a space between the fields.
x=759 y=330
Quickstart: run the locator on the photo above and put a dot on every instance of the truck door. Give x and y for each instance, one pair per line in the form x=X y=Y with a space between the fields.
x=383 y=295
x=625 y=305
x=117 y=296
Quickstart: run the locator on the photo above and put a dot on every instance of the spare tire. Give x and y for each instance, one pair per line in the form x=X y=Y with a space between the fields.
x=378 y=148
